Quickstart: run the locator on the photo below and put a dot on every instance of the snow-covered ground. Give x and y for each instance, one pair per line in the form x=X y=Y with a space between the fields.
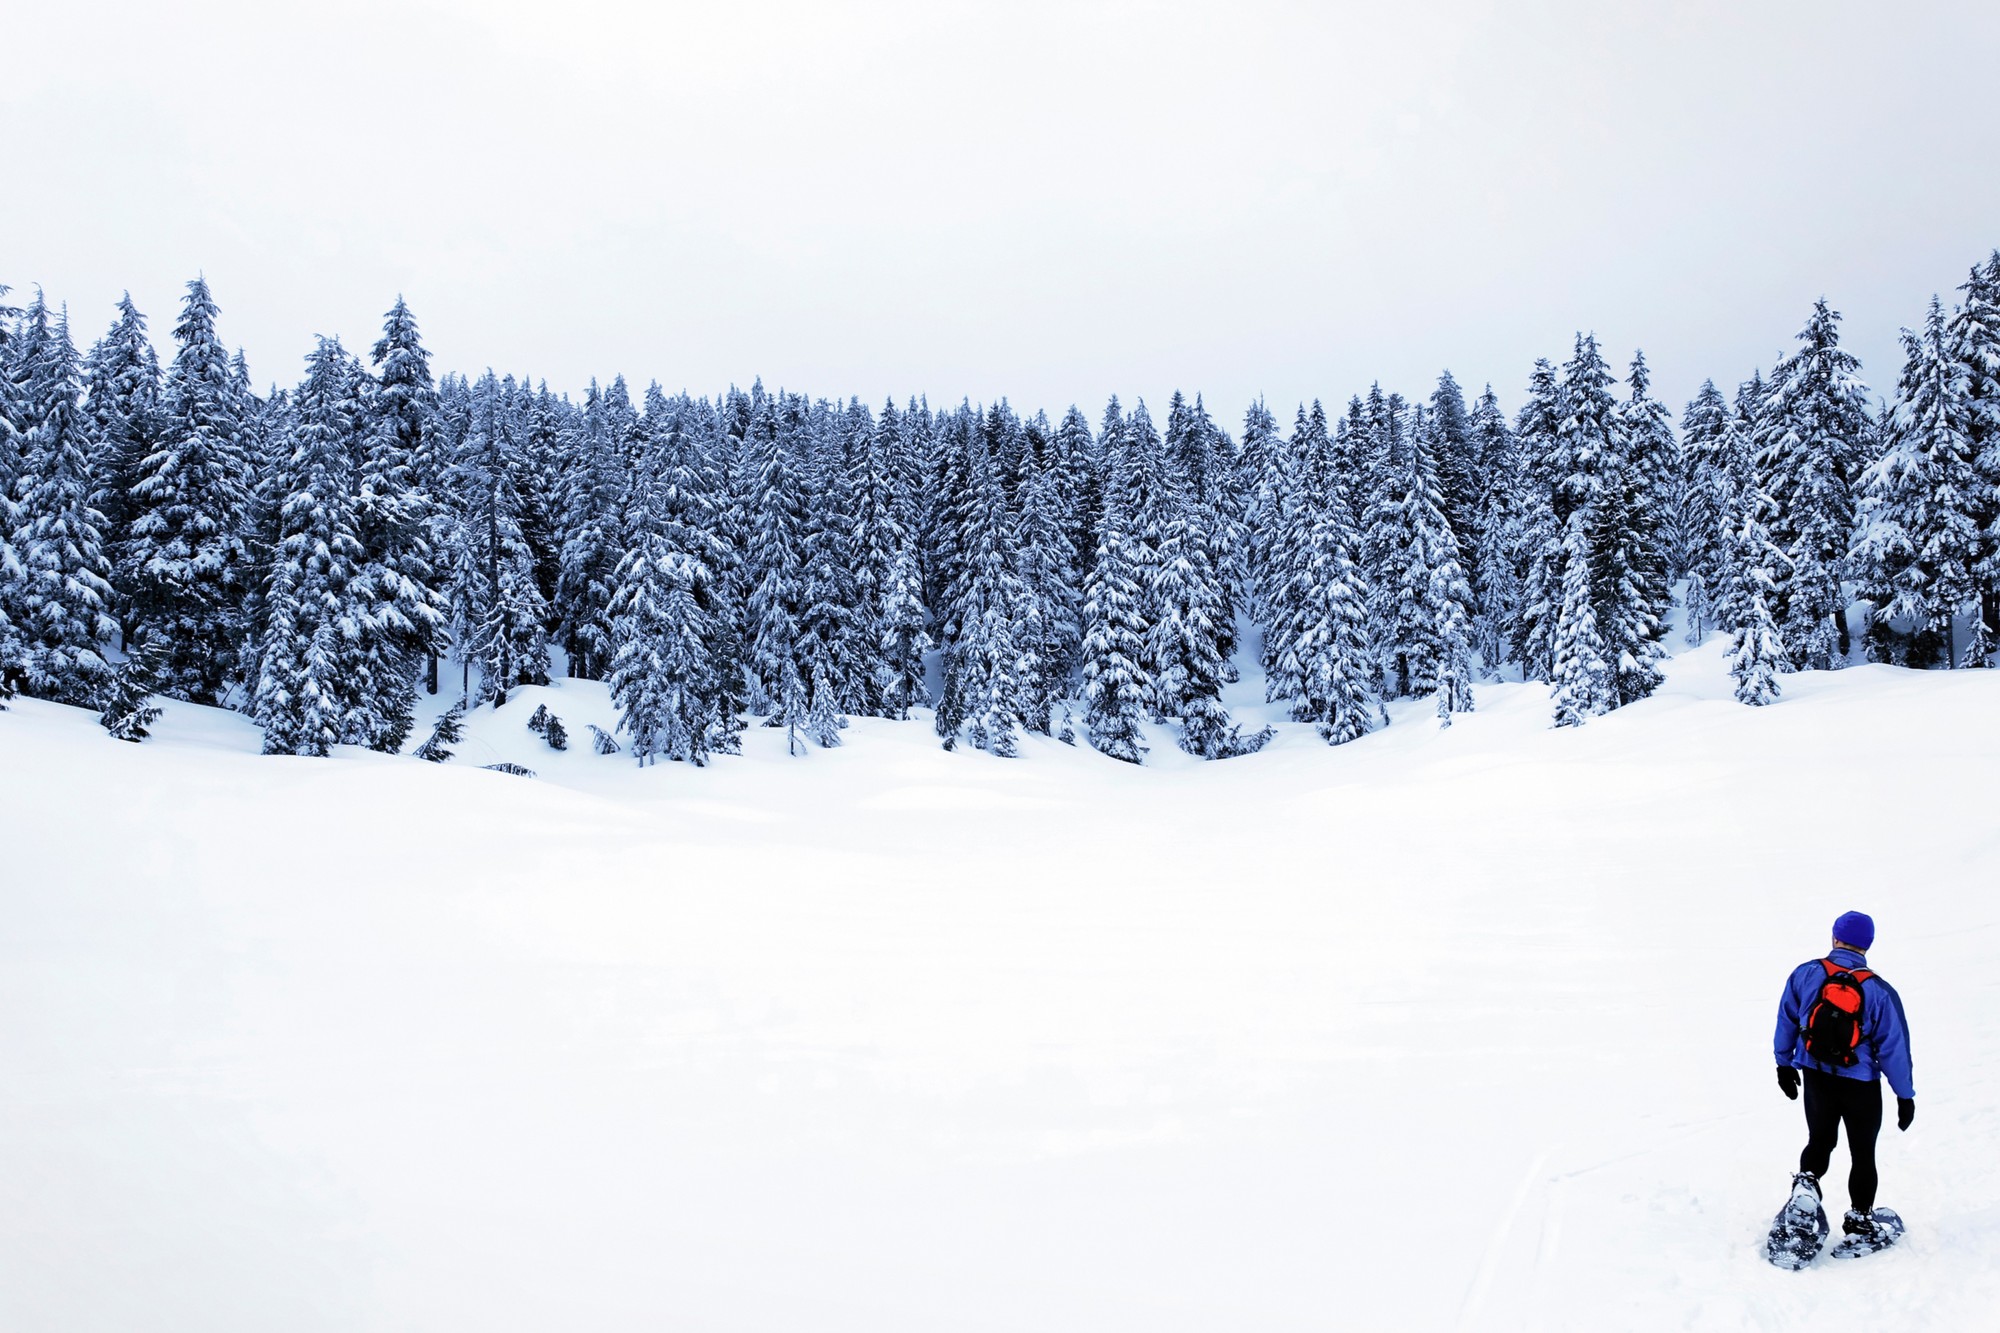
x=1462 y=1029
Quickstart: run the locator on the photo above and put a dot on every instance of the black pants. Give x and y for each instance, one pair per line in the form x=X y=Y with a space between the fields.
x=1831 y=1102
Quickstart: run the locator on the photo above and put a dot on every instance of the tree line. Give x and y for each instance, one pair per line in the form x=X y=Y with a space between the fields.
x=317 y=556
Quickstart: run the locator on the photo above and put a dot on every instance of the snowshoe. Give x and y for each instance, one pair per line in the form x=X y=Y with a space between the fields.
x=1800 y=1227
x=1867 y=1233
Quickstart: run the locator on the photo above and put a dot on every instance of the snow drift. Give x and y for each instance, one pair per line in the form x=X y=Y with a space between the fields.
x=1461 y=1029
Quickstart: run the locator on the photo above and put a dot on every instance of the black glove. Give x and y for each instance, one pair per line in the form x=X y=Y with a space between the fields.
x=1788 y=1079
x=1906 y=1111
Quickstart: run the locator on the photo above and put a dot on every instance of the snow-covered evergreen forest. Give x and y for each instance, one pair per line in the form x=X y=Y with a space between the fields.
x=323 y=556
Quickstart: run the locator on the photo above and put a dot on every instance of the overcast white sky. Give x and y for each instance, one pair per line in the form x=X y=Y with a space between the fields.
x=1051 y=202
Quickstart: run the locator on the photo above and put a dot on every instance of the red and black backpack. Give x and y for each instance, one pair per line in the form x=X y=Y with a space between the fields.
x=1833 y=1020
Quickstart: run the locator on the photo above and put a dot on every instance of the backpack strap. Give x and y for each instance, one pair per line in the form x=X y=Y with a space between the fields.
x=1834 y=969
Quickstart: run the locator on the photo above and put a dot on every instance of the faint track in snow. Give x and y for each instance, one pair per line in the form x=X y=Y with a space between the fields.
x=1496 y=1243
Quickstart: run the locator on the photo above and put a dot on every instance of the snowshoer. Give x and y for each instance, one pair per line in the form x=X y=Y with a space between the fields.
x=1841 y=1028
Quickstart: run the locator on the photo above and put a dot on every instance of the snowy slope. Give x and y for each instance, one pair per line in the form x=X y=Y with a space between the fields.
x=1439 y=1030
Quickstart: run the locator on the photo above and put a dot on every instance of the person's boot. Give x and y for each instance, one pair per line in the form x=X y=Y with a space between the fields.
x=1876 y=1229
x=1800 y=1227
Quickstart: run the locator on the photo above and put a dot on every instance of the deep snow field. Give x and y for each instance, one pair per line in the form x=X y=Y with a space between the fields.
x=1439 y=1030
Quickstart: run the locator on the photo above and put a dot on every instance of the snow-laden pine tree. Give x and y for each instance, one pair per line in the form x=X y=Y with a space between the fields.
x=11 y=384
x=401 y=523
x=1499 y=568
x=1297 y=472
x=1596 y=468
x=1918 y=546
x=1583 y=684
x=306 y=697
x=1320 y=660
x=662 y=672
x=1455 y=460
x=1757 y=653
x=1633 y=538
x=823 y=716
x=1078 y=457
x=539 y=428
x=1375 y=450
x=596 y=451
x=56 y=584
x=1051 y=607
x=10 y=564
x=1542 y=523
x=128 y=707
x=693 y=497
x=1811 y=434
x=186 y=551
x=1422 y=608
x=1185 y=642
x=892 y=574
x=123 y=375
x=989 y=670
x=498 y=615
x=1115 y=684
x=400 y=613
x=1451 y=632
x=1148 y=503
x=836 y=636
x=1974 y=334
x=874 y=532
x=948 y=523
x=775 y=565
x=1711 y=446
x=1258 y=484
x=1187 y=645
x=1188 y=447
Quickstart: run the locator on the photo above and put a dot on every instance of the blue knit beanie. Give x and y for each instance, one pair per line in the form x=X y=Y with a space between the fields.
x=1855 y=928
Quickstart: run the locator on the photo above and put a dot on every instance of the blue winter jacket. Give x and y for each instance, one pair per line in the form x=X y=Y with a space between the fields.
x=1885 y=1034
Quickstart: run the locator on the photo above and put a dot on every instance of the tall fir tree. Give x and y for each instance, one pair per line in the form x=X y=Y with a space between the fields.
x=1711 y=445
x=1115 y=683
x=1632 y=537
x=10 y=564
x=497 y=614
x=990 y=668
x=1422 y=607
x=1259 y=483
x=1917 y=551
x=307 y=687
x=1757 y=653
x=1147 y=500
x=1079 y=456
x=402 y=523
x=1583 y=684
x=1498 y=572
x=123 y=375
x=1051 y=625
x=1811 y=433
x=1455 y=459
x=55 y=583
x=663 y=675
x=776 y=567
x=1542 y=522
x=187 y=555
x=11 y=385
x=1320 y=660
x=893 y=568
x=1974 y=334
x=836 y=637
x=597 y=455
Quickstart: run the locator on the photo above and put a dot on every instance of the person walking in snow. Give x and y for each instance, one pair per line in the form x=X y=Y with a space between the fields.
x=1840 y=1029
